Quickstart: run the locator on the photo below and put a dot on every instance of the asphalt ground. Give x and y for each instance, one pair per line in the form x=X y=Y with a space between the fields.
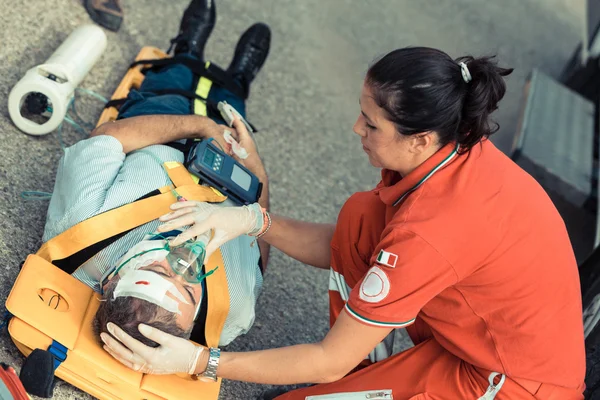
x=304 y=102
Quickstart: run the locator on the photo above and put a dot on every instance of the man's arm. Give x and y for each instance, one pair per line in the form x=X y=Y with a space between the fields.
x=138 y=132
x=85 y=172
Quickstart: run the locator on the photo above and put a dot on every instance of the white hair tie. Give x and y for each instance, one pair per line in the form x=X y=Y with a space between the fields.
x=465 y=72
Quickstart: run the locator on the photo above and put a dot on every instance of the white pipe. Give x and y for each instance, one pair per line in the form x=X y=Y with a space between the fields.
x=57 y=78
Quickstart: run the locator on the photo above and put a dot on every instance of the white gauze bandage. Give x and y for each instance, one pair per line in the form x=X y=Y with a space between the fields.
x=235 y=146
x=134 y=261
x=150 y=286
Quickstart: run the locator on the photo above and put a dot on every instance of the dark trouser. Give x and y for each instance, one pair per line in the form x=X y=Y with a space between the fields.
x=176 y=76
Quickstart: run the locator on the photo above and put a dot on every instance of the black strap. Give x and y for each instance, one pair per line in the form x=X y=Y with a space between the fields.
x=198 y=334
x=214 y=73
x=185 y=93
x=210 y=105
x=115 y=103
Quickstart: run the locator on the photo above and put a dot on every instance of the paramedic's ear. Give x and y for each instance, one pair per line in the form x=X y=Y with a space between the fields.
x=421 y=142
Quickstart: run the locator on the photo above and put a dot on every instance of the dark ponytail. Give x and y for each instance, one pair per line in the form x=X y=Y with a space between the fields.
x=423 y=89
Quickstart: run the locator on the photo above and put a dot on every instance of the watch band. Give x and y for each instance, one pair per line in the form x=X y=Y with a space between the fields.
x=210 y=374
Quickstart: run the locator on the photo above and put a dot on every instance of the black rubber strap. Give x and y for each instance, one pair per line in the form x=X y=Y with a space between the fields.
x=214 y=73
x=115 y=103
x=198 y=334
x=185 y=93
x=181 y=92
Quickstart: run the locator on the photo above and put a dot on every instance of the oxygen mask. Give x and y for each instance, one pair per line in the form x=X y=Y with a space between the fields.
x=185 y=260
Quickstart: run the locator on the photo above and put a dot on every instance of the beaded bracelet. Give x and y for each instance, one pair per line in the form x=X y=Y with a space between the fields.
x=268 y=223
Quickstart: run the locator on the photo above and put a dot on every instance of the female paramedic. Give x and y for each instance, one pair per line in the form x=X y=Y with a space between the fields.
x=456 y=244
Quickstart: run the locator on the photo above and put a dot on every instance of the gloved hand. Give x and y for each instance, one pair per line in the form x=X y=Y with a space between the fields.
x=174 y=355
x=226 y=222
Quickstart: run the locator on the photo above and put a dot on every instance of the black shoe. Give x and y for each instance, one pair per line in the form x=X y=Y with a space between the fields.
x=107 y=13
x=250 y=55
x=196 y=26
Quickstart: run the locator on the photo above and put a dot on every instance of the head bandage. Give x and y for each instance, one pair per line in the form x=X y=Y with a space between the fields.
x=146 y=252
x=466 y=74
x=149 y=286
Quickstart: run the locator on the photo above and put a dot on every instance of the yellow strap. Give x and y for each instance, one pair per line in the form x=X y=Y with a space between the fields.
x=218 y=299
x=110 y=223
x=178 y=174
x=203 y=88
x=129 y=216
x=218 y=294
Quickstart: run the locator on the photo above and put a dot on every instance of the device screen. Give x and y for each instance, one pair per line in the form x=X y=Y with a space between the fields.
x=209 y=157
x=241 y=177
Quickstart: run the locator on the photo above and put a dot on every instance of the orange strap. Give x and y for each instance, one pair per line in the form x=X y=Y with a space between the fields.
x=218 y=299
x=178 y=174
x=124 y=218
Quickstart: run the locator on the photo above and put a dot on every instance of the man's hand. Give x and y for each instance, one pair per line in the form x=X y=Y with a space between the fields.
x=174 y=355
x=245 y=139
x=216 y=132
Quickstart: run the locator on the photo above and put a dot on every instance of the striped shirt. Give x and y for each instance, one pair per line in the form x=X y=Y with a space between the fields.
x=95 y=176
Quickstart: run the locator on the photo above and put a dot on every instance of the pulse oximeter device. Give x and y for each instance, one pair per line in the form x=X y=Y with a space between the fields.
x=221 y=171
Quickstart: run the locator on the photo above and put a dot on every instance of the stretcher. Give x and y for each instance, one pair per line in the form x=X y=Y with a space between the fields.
x=53 y=310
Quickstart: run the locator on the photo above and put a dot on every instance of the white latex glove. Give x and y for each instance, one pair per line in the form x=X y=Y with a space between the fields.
x=174 y=355
x=226 y=222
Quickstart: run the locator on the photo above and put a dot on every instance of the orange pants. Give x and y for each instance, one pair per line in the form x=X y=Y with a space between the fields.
x=427 y=372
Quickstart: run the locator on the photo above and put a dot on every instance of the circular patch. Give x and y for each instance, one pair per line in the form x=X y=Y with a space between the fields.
x=375 y=287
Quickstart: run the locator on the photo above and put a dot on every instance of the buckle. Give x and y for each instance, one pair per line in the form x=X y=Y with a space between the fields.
x=59 y=352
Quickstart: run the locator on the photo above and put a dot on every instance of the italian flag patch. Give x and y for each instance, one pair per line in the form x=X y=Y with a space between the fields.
x=387 y=259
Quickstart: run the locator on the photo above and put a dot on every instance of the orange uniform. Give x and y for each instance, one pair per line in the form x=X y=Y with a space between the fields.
x=471 y=253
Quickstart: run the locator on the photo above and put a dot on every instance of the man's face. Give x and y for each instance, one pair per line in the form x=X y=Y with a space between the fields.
x=192 y=293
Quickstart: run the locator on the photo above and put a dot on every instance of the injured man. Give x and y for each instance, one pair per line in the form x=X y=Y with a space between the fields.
x=122 y=162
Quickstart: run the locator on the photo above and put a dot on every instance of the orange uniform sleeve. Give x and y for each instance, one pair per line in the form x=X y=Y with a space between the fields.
x=406 y=272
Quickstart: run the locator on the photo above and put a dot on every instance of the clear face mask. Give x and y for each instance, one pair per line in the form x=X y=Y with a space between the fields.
x=186 y=260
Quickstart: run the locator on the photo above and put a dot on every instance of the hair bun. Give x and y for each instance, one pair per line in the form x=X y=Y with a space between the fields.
x=484 y=92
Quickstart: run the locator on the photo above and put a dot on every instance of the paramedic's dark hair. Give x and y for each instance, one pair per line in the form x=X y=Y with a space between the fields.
x=422 y=89
x=128 y=312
